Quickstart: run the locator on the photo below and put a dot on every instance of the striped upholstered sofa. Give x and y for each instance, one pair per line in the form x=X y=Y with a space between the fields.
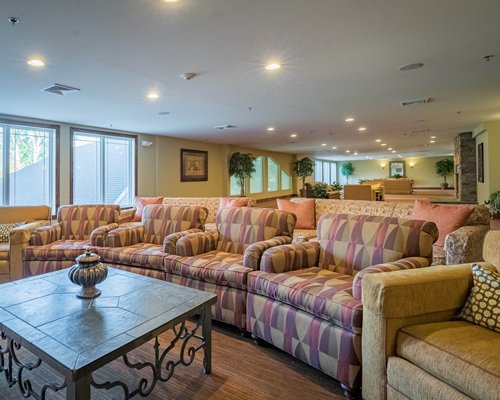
x=219 y=261
x=307 y=297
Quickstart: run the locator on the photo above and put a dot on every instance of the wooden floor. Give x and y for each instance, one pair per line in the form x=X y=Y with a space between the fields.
x=241 y=370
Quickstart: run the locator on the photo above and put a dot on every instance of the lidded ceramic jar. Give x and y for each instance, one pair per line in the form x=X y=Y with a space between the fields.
x=88 y=272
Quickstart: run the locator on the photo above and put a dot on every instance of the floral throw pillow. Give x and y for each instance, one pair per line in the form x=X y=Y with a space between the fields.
x=5 y=230
x=483 y=304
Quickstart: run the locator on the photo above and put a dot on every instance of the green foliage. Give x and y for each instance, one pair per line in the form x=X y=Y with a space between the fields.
x=241 y=167
x=397 y=176
x=320 y=191
x=494 y=203
x=336 y=186
x=304 y=168
x=444 y=168
x=362 y=180
x=347 y=170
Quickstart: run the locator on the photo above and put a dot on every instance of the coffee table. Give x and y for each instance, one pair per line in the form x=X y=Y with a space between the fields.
x=76 y=336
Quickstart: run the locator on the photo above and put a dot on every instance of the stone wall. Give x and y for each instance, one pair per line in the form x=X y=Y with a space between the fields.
x=465 y=160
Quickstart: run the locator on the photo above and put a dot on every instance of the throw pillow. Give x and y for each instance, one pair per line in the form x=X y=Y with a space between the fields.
x=304 y=211
x=483 y=304
x=447 y=218
x=229 y=202
x=140 y=202
x=5 y=230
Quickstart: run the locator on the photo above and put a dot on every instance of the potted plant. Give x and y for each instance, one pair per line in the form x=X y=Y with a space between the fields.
x=241 y=167
x=397 y=176
x=347 y=170
x=320 y=191
x=444 y=168
x=303 y=168
x=494 y=204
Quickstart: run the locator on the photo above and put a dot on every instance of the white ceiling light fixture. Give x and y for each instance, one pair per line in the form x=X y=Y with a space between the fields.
x=432 y=141
x=334 y=147
x=433 y=137
x=323 y=144
x=348 y=151
x=355 y=153
x=350 y=119
x=272 y=66
x=36 y=62
x=378 y=140
x=383 y=144
x=153 y=96
x=361 y=129
x=170 y=1
x=188 y=76
x=270 y=129
x=390 y=148
x=393 y=151
x=293 y=135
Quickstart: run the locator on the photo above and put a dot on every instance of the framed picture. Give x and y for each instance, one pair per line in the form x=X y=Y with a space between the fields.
x=194 y=165
x=480 y=162
x=397 y=169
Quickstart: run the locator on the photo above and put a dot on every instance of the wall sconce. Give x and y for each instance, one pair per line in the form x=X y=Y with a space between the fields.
x=382 y=166
x=412 y=165
x=146 y=143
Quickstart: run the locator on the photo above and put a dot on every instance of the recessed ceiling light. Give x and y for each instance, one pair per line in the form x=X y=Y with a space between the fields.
x=433 y=137
x=270 y=129
x=153 y=95
x=410 y=67
x=273 y=66
x=393 y=151
x=378 y=140
x=293 y=135
x=390 y=148
x=170 y=1
x=362 y=128
x=323 y=144
x=36 y=62
x=334 y=147
x=432 y=141
x=355 y=153
x=383 y=144
x=348 y=151
x=350 y=119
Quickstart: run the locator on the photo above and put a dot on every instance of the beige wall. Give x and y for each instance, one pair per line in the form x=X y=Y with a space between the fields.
x=489 y=134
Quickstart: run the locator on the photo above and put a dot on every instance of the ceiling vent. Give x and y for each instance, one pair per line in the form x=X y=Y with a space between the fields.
x=228 y=126
x=61 y=90
x=412 y=102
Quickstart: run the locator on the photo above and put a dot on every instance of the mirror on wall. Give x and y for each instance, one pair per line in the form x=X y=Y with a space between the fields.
x=397 y=169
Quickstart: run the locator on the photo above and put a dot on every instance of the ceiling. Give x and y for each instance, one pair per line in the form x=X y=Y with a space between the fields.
x=339 y=59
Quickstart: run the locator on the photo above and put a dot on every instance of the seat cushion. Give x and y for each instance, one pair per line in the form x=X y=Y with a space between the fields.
x=4 y=251
x=323 y=293
x=464 y=355
x=304 y=235
x=144 y=255
x=60 y=250
x=215 y=266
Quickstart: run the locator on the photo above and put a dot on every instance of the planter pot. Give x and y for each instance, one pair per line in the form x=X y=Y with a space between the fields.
x=302 y=192
x=444 y=186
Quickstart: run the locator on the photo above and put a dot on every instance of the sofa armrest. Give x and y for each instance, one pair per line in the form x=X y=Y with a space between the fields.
x=253 y=253
x=19 y=239
x=126 y=215
x=290 y=257
x=45 y=234
x=125 y=236
x=465 y=245
x=404 y=263
x=197 y=243
x=394 y=300
x=170 y=241
x=99 y=236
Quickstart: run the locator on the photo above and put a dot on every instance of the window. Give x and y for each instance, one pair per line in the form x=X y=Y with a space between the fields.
x=325 y=171
x=27 y=164
x=234 y=186
x=285 y=181
x=272 y=175
x=256 y=178
x=103 y=168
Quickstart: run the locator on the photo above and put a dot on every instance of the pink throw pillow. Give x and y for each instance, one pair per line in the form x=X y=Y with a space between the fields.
x=140 y=202
x=447 y=218
x=304 y=211
x=229 y=202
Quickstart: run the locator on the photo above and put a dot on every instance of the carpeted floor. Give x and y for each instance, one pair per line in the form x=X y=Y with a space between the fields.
x=240 y=370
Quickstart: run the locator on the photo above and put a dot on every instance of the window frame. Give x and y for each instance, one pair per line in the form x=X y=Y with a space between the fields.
x=75 y=131
x=57 y=148
x=261 y=177
x=322 y=162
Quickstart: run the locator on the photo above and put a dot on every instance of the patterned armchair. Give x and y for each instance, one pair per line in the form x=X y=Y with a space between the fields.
x=141 y=247
x=56 y=246
x=307 y=298
x=219 y=261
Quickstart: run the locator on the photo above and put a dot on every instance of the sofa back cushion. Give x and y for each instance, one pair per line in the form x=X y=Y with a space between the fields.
x=9 y=214
x=78 y=222
x=240 y=227
x=160 y=221
x=350 y=243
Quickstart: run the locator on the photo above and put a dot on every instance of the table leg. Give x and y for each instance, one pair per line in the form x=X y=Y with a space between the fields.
x=79 y=389
x=207 y=335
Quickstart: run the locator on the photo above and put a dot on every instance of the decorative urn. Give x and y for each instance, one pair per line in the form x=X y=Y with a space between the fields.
x=87 y=273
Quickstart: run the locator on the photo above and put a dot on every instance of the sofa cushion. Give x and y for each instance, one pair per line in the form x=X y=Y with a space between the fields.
x=483 y=304
x=453 y=350
x=216 y=267
x=78 y=221
x=141 y=202
x=228 y=202
x=304 y=235
x=5 y=230
x=4 y=251
x=304 y=211
x=60 y=250
x=320 y=292
x=144 y=255
x=447 y=217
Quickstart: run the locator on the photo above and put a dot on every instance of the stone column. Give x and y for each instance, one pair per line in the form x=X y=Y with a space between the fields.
x=466 y=174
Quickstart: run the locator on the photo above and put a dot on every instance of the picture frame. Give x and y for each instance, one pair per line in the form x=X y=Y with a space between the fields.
x=480 y=162
x=194 y=165
x=397 y=168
